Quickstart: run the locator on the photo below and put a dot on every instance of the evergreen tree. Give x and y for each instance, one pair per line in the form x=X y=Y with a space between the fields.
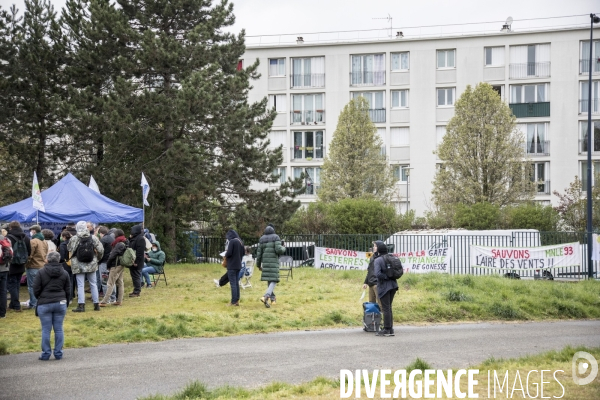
x=355 y=166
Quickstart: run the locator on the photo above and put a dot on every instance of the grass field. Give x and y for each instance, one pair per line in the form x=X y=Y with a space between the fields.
x=191 y=306
x=324 y=388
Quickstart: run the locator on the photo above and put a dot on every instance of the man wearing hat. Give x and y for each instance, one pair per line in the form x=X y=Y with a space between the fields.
x=36 y=260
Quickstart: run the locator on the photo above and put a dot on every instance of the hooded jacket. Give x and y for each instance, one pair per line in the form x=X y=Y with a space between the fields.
x=39 y=251
x=13 y=235
x=106 y=241
x=267 y=255
x=384 y=284
x=137 y=242
x=157 y=258
x=64 y=255
x=118 y=249
x=52 y=284
x=235 y=250
x=77 y=266
x=371 y=279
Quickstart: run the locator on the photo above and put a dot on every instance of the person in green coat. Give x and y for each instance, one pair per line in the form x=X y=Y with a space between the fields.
x=154 y=263
x=267 y=260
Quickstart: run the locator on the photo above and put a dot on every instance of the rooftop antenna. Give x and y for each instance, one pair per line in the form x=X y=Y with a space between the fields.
x=389 y=19
x=507 y=25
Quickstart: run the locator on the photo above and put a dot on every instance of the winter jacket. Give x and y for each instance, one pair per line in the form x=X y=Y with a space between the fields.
x=52 y=284
x=235 y=251
x=64 y=255
x=384 y=284
x=371 y=279
x=118 y=249
x=137 y=242
x=106 y=243
x=3 y=267
x=14 y=235
x=157 y=258
x=267 y=255
x=80 y=267
x=39 y=251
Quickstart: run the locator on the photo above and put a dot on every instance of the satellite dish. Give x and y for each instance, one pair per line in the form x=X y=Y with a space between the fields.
x=509 y=21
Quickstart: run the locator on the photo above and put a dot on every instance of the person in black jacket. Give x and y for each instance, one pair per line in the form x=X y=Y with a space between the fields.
x=138 y=243
x=371 y=281
x=65 y=236
x=234 y=254
x=51 y=287
x=16 y=271
x=386 y=288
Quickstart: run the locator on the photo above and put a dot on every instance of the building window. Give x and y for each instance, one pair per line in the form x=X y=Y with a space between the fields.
x=529 y=61
x=445 y=97
x=312 y=178
x=584 y=93
x=400 y=61
x=536 y=142
x=240 y=65
x=400 y=98
x=539 y=174
x=584 y=58
x=595 y=170
x=277 y=67
x=308 y=109
x=367 y=69
x=376 y=102
x=277 y=101
x=308 y=145
x=399 y=137
x=494 y=56
x=381 y=134
x=277 y=138
x=583 y=141
x=401 y=173
x=500 y=90
x=445 y=58
x=440 y=132
x=539 y=93
x=281 y=174
x=308 y=72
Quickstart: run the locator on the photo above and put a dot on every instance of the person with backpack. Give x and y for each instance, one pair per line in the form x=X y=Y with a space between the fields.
x=371 y=281
x=137 y=242
x=386 y=287
x=85 y=251
x=115 y=270
x=155 y=262
x=36 y=260
x=6 y=255
x=267 y=260
x=21 y=249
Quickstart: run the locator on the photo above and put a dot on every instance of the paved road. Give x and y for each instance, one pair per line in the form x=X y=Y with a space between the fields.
x=127 y=371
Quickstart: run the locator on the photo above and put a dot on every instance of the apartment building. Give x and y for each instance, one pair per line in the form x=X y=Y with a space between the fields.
x=411 y=86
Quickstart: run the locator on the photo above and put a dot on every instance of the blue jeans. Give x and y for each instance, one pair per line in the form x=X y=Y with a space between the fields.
x=234 y=283
x=3 y=284
x=146 y=271
x=14 y=284
x=51 y=317
x=31 y=273
x=91 y=277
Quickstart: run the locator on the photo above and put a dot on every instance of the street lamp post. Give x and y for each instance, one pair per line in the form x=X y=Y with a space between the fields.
x=593 y=20
x=407 y=172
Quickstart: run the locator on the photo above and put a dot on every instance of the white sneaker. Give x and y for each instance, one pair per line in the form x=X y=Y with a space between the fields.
x=216 y=281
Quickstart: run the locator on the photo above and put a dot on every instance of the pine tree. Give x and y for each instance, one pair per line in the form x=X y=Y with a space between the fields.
x=355 y=166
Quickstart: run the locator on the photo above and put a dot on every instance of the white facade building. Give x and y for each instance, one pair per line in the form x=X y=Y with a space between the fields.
x=412 y=84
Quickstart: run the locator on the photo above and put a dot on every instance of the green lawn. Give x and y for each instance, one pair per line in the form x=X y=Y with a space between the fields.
x=191 y=306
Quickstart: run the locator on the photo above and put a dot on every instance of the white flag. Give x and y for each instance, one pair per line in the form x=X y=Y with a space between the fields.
x=93 y=185
x=36 y=195
x=145 y=190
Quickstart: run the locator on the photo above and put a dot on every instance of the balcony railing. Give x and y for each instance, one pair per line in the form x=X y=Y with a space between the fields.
x=529 y=70
x=583 y=146
x=367 y=78
x=299 y=153
x=584 y=66
x=307 y=80
x=543 y=187
x=307 y=117
x=526 y=110
x=541 y=148
x=377 y=114
x=583 y=106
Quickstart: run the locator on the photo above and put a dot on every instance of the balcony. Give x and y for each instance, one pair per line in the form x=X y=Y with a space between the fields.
x=307 y=80
x=311 y=117
x=584 y=66
x=538 y=149
x=370 y=78
x=377 y=115
x=529 y=70
x=583 y=106
x=543 y=187
x=528 y=110
x=583 y=146
x=299 y=153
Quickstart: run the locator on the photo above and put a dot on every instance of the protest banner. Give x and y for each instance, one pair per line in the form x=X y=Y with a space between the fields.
x=545 y=257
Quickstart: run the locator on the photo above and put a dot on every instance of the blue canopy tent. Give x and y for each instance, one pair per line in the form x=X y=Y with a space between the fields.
x=69 y=200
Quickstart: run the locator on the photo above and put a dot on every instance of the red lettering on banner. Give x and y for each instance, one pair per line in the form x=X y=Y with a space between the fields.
x=524 y=254
x=338 y=252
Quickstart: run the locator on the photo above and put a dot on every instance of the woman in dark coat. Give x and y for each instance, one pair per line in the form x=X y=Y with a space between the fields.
x=267 y=260
x=386 y=288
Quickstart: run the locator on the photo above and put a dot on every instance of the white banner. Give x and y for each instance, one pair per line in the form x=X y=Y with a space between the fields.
x=326 y=258
x=546 y=257
x=595 y=247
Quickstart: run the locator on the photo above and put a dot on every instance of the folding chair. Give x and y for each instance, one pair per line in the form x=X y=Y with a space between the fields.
x=245 y=281
x=154 y=278
x=285 y=264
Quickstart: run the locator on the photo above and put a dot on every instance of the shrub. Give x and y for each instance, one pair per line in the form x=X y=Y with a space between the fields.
x=531 y=216
x=479 y=216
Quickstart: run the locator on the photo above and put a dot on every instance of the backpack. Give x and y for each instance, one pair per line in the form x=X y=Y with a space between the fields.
x=393 y=267
x=20 y=253
x=6 y=254
x=128 y=258
x=85 y=250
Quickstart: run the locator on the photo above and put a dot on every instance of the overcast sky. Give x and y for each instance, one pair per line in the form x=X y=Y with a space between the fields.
x=268 y=17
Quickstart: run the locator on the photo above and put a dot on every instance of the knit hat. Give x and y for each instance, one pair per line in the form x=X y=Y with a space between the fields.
x=81 y=227
x=36 y=228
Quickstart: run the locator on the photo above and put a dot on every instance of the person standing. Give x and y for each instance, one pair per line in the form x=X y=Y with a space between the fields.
x=386 y=288
x=49 y=239
x=5 y=248
x=155 y=261
x=52 y=287
x=106 y=239
x=115 y=274
x=65 y=258
x=36 y=260
x=371 y=281
x=137 y=242
x=21 y=249
x=267 y=260
x=85 y=250
x=233 y=255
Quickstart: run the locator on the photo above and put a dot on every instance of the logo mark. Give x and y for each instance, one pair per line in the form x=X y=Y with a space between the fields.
x=583 y=367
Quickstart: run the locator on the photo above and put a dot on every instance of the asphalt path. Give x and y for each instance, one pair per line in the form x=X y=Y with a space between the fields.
x=128 y=371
